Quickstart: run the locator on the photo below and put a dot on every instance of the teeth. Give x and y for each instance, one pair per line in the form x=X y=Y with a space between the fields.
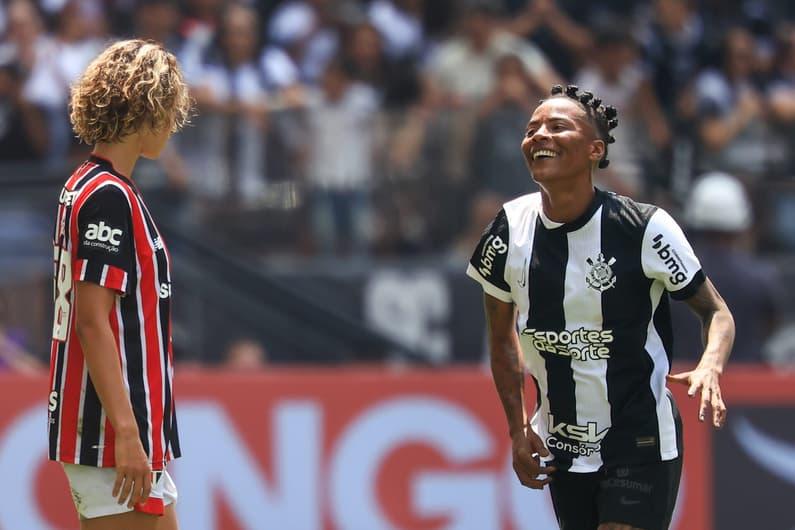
x=544 y=152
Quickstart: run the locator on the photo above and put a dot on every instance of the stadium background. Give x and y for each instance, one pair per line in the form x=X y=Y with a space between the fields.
x=345 y=157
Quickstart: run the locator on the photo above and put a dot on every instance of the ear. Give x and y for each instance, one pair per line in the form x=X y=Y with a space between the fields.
x=596 y=150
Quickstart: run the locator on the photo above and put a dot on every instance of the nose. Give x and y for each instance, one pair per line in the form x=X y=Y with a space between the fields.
x=539 y=135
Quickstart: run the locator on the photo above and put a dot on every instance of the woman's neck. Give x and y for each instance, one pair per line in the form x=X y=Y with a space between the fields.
x=567 y=204
x=122 y=155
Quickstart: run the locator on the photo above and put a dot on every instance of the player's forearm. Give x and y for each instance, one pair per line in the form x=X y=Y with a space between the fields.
x=717 y=325
x=508 y=374
x=718 y=338
x=99 y=351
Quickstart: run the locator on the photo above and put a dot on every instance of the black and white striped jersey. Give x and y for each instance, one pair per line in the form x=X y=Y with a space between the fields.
x=593 y=321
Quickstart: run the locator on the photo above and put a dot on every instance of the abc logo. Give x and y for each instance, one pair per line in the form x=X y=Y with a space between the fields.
x=103 y=233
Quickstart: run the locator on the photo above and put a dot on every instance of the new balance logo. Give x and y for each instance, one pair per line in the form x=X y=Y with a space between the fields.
x=103 y=233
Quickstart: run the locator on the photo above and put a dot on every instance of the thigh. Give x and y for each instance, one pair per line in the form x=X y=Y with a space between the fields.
x=574 y=497
x=641 y=497
x=133 y=521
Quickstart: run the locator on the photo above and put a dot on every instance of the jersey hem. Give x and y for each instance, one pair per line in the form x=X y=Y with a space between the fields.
x=488 y=287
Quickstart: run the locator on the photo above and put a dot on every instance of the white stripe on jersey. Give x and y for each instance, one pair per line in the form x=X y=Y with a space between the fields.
x=656 y=350
x=582 y=307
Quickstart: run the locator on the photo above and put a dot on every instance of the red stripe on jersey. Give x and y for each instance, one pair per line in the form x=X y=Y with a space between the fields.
x=81 y=172
x=149 y=291
x=70 y=401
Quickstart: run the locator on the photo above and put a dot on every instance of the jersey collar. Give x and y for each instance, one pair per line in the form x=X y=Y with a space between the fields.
x=109 y=165
x=578 y=223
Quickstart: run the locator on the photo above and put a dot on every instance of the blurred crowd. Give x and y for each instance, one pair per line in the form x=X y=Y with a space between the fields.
x=380 y=127
x=391 y=128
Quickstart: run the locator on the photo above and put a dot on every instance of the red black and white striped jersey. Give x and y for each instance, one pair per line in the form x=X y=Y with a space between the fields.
x=104 y=234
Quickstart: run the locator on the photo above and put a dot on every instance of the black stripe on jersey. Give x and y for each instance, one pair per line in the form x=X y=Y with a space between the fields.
x=135 y=360
x=92 y=417
x=662 y=323
x=626 y=309
x=94 y=270
x=55 y=416
x=545 y=313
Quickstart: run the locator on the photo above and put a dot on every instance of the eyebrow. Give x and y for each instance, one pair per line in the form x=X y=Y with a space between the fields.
x=553 y=119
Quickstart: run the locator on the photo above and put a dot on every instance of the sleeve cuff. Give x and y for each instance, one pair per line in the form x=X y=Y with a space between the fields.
x=690 y=289
x=488 y=287
x=101 y=274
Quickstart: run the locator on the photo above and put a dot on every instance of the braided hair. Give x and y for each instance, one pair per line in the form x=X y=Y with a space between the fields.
x=604 y=117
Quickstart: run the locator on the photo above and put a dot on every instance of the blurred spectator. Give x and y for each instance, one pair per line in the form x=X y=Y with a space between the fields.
x=225 y=149
x=718 y=213
x=733 y=128
x=158 y=20
x=302 y=41
x=400 y=24
x=23 y=132
x=80 y=36
x=197 y=30
x=781 y=91
x=497 y=162
x=615 y=72
x=674 y=49
x=554 y=25
x=245 y=355
x=462 y=69
x=340 y=151
x=395 y=80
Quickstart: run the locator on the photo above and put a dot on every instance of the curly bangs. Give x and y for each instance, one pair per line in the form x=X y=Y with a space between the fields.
x=131 y=85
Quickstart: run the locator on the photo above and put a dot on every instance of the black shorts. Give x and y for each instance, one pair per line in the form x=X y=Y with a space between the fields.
x=642 y=496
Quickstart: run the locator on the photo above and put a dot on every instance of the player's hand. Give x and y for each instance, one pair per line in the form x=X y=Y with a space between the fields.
x=133 y=472
x=527 y=451
x=705 y=380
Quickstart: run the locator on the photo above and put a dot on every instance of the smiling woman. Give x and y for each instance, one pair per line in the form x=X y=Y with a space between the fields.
x=586 y=275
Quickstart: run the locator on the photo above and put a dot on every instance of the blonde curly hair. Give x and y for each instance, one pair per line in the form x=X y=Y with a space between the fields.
x=131 y=85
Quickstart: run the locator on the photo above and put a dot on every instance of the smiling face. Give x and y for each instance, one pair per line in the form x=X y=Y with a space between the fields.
x=560 y=142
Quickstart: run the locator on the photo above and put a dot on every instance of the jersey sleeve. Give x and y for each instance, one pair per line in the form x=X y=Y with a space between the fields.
x=667 y=256
x=104 y=247
x=487 y=264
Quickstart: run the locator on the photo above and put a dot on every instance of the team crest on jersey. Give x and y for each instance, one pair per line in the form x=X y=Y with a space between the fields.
x=601 y=276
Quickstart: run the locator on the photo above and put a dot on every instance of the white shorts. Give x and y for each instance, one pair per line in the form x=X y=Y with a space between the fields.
x=92 y=489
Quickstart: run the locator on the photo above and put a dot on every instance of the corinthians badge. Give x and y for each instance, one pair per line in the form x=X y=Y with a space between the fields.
x=601 y=276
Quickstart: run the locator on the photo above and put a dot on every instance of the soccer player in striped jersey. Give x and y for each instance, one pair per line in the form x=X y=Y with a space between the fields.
x=577 y=284
x=112 y=423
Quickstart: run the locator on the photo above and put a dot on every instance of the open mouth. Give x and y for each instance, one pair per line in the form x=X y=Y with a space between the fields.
x=542 y=154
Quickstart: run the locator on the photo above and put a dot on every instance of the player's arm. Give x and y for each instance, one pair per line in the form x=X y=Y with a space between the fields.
x=93 y=303
x=718 y=329
x=508 y=373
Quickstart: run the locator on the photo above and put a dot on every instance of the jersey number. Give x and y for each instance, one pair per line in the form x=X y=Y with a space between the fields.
x=63 y=286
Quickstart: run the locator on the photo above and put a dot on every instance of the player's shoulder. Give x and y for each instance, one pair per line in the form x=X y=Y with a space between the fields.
x=628 y=212
x=522 y=206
